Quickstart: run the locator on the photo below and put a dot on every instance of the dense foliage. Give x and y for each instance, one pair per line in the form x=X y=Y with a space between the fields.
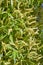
x=21 y=32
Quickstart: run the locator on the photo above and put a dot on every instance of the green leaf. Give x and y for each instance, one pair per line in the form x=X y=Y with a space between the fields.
x=11 y=3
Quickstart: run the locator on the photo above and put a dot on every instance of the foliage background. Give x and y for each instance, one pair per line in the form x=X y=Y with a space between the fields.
x=21 y=32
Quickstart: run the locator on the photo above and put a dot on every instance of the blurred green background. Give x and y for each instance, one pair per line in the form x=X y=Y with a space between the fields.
x=21 y=32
